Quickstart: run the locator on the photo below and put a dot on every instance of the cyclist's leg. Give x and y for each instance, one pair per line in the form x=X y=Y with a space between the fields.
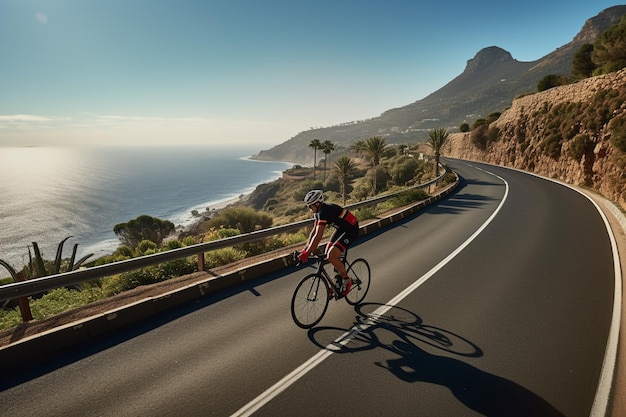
x=335 y=247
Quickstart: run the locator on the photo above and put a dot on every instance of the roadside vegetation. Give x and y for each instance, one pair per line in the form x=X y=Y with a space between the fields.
x=607 y=54
x=369 y=168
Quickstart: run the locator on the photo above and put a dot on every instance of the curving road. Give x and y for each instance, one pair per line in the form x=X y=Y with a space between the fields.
x=496 y=302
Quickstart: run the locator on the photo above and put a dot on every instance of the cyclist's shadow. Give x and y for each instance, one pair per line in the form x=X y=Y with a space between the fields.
x=481 y=391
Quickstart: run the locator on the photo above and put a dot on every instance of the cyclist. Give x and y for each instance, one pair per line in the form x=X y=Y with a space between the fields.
x=347 y=230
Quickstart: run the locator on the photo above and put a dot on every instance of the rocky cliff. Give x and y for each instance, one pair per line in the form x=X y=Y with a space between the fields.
x=574 y=133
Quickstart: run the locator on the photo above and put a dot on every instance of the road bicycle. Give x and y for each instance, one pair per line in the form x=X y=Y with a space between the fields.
x=314 y=291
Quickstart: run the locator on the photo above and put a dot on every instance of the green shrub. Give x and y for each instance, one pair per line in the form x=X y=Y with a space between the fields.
x=580 y=146
x=220 y=233
x=449 y=178
x=112 y=285
x=408 y=197
x=551 y=146
x=365 y=213
x=618 y=132
x=483 y=135
x=223 y=256
x=293 y=238
x=146 y=247
x=244 y=218
x=550 y=81
x=10 y=318
x=149 y=275
x=478 y=123
x=173 y=244
x=404 y=171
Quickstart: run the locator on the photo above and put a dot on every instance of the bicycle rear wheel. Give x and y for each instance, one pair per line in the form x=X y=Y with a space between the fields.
x=359 y=271
x=309 y=301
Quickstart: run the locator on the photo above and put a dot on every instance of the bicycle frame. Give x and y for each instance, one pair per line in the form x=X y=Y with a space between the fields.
x=322 y=261
x=314 y=291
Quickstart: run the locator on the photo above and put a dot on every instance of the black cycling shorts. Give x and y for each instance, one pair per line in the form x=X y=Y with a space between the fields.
x=343 y=239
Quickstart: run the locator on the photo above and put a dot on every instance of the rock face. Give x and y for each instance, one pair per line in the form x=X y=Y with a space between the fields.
x=562 y=133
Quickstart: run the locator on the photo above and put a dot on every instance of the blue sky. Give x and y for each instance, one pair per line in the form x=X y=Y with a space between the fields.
x=150 y=72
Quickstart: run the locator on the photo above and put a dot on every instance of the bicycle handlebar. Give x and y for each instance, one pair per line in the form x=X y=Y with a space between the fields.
x=313 y=255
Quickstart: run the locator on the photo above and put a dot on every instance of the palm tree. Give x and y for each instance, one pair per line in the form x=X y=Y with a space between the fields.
x=374 y=149
x=315 y=144
x=344 y=167
x=327 y=148
x=436 y=139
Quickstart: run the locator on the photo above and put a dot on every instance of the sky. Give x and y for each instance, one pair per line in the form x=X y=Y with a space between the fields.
x=249 y=72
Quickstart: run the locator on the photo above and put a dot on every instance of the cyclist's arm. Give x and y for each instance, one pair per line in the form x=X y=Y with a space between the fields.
x=316 y=235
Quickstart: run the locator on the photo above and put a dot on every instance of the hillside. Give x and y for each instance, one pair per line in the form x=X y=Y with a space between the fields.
x=574 y=133
x=489 y=83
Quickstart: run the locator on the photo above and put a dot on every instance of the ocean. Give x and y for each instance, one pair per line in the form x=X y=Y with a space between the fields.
x=47 y=194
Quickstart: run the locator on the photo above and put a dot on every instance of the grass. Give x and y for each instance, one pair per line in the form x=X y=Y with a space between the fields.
x=54 y=302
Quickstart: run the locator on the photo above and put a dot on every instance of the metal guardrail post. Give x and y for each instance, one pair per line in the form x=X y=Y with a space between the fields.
x=200 y=257
x=24 y=303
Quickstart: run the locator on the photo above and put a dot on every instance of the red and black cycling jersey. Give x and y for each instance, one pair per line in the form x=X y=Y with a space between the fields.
x=336 y=216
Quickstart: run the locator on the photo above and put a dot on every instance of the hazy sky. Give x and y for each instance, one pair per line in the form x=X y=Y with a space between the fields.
x=138 y=72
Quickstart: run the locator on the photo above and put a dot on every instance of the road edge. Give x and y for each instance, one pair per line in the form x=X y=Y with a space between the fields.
x=616 y=406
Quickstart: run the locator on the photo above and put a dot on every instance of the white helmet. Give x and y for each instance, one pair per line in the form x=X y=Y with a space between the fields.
x=314 y=196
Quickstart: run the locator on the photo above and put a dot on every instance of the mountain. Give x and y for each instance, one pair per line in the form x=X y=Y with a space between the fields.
x=488 y=84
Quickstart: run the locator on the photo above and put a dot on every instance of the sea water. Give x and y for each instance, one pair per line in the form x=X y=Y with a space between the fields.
x=48 y=194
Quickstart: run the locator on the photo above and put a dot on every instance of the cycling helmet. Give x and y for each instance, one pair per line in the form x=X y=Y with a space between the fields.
x=314 y=196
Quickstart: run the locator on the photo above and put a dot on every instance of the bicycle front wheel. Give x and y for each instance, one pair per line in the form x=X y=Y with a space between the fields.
x=310 y=301
x=359 y=271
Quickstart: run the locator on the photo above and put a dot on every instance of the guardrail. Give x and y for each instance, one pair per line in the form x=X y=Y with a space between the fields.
x=47 y=283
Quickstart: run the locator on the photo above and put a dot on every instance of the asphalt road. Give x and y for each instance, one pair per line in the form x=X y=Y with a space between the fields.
x=495 y=301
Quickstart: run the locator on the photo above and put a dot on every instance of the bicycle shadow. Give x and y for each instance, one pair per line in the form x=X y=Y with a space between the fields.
x=410 y=340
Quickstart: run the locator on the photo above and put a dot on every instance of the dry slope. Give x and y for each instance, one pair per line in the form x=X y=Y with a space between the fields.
x=562 y=133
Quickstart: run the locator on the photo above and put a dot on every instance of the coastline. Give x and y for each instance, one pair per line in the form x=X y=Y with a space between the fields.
x=214 y=209
x=86 y=192
x=187 y=227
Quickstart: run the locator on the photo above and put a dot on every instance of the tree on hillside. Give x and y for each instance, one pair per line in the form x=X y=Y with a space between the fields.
x=315 y=144
x=344 y=167
x=327 y=148
x=551 y=80
x=609 y=50
x=582 y=64
x=373 y=148
x=436 y=139
x=143 y=227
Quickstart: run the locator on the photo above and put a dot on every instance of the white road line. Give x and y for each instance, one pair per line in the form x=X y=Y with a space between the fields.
x=601 y=400
x=320 y=356
x=603 y=391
